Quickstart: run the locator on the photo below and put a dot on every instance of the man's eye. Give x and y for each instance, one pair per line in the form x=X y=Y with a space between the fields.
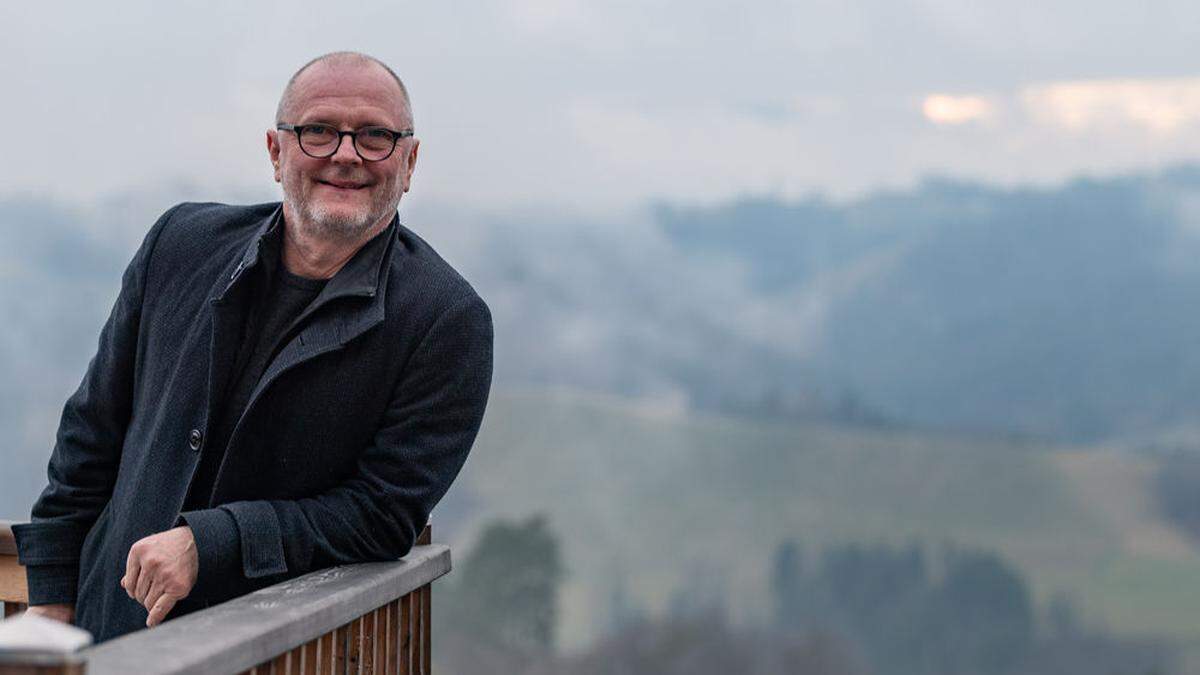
x=379 y=133
x=316 y=130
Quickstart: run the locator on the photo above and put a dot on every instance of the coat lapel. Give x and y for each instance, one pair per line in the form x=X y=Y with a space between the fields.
x=229 y=306
x=226 y=324
x=351 y=303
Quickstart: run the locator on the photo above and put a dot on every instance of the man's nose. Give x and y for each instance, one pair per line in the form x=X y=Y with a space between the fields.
x=345 y=151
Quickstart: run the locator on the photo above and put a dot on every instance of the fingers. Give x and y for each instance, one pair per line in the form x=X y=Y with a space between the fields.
x=133 y=569
x=159 y=611
x=155 y=593
x=145 y=579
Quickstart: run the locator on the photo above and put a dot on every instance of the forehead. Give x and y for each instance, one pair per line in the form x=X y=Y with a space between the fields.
x=350 y=93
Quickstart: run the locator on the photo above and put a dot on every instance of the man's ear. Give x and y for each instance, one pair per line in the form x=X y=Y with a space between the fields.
x=412 y=163
x=273 y=151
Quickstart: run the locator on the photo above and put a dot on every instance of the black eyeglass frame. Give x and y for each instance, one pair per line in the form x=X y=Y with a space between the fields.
x=297 y=128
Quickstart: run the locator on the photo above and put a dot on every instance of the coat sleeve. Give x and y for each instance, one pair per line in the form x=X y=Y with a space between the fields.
x=87 y=449
x=430 y=424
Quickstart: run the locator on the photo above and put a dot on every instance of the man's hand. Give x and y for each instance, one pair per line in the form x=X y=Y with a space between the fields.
x=60 y=612
x=161 y=570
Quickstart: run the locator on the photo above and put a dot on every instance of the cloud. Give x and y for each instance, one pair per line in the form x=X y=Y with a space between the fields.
x=1159 y=106
x=708 y=153
x=549 y=18
x=771 y=97
x=947 y=109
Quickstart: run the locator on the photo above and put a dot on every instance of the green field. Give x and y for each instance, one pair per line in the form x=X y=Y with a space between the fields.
x=654 y=501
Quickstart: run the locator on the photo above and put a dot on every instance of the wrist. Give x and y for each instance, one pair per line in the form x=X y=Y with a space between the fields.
x=64 y=612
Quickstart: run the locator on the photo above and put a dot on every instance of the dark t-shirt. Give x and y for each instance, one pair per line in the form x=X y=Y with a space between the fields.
x=278 y=299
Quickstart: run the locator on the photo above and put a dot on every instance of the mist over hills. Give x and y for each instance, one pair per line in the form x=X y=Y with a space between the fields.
x=1066 y=313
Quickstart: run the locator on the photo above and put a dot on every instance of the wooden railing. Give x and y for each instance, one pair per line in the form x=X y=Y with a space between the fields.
x=366 y=618
x=13 y=592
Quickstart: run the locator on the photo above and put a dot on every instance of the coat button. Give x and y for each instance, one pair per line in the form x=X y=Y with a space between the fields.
x=194 y=439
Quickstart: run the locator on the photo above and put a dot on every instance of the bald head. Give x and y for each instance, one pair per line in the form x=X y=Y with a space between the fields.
x=341 y=59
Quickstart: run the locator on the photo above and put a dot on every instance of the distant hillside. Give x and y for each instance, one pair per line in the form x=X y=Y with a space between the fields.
x=1067 y=312
x=649 y=505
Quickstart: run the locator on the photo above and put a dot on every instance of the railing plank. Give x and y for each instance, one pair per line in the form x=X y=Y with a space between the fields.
x=405 y=643
x=12 y=580
x=354 y=648
x=376 y=639
x=249 y=630
x=366 y=644
x=12 y=576
x=418 y=637
x=339 y=650
x=389 y=656
x=13 y=608
x=8 y=542
x=340 y=638
x=309 y=660
x=329 y=656
x=426 y=629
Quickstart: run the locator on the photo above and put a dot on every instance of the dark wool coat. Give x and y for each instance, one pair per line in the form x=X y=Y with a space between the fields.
x=353 y=434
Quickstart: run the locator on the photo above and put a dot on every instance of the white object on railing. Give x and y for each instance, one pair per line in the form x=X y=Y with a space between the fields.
x=35 y=640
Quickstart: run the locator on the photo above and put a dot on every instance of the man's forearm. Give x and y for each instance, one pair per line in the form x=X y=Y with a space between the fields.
x=52 y=584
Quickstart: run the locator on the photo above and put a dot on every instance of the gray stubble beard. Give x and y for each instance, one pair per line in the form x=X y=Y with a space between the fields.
x=335 y=228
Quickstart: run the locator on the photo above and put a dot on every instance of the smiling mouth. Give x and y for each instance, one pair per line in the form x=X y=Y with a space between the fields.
x=341 y=185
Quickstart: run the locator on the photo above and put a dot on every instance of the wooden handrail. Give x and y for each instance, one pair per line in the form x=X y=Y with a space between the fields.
x=8 y=543
x=364 y=618
x=13 y=591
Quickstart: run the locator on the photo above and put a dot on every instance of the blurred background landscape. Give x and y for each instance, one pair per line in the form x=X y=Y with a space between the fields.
x=838 y=338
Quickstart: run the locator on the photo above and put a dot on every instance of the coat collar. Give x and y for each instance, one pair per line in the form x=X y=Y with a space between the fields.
x=361 y=275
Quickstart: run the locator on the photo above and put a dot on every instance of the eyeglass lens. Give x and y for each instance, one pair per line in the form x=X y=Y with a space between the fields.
x=322 y=141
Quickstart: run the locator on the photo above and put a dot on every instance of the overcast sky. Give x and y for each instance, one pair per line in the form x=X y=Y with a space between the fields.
x=606 y=105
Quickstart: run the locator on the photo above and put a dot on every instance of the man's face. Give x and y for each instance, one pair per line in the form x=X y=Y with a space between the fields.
x=342 y=196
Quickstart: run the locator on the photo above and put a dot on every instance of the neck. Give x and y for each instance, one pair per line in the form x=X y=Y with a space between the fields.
x=314 y=257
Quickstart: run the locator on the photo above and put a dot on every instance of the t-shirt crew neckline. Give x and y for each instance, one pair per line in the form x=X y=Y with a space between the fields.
x=298 y=282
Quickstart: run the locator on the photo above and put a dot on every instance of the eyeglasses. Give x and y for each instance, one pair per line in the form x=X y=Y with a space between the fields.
x=373 y=144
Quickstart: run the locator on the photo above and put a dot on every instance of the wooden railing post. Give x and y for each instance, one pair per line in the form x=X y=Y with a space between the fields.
x=35 y=645
x=13 y=591
x=424 y=633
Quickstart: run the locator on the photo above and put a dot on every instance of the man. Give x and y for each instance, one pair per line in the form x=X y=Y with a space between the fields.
x=279 y=388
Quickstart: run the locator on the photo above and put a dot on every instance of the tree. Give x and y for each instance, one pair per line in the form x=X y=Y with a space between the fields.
x=787 y=585
x=982 y=614
x=507 y=588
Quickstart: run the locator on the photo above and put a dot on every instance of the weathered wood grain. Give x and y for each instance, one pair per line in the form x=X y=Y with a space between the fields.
x=393 y=630
x=12 y=581
x=405 y=635
x=254 y=628
x=8 y=543
x=12 y=576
